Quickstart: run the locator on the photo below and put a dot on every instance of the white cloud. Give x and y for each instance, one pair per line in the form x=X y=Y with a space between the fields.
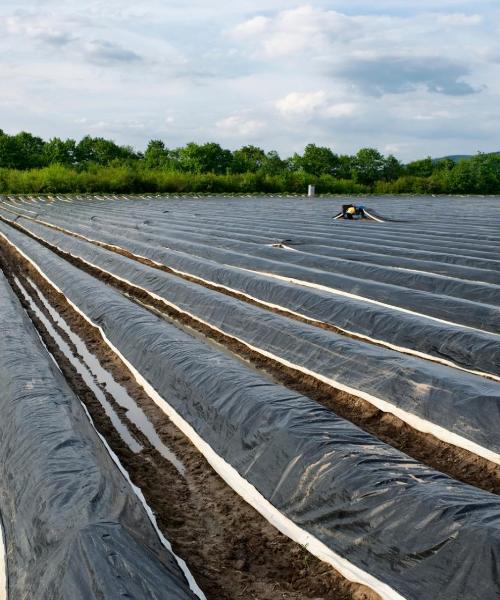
x=301 y=103
x=250 y=28
x=239 y=126
x=308 y=104
x=460 y=20
x=349 y=73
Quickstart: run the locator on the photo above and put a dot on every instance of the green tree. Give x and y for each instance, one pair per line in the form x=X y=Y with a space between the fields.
x=156 y=155
x=392 y=168
x=248 y=159
x=421 y=168
x=206 y=158
x=101 y=151
x=21 y=151
x=273 y=165
x=368 y=166
x=318 y=160
x=61 y=152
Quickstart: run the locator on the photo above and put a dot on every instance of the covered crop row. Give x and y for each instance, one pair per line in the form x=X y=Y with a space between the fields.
x=287 y=266
x=429 y=397
x=267 y=221
x=379 y=517
x=468 y=348
x=74 y=527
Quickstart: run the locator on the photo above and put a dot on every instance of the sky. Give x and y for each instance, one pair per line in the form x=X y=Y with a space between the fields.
x=408 y=78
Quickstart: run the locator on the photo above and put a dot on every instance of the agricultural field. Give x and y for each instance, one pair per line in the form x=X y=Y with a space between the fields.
x=242 y=398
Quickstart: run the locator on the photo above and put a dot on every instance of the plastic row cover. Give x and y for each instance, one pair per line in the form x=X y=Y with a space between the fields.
x=221 y=219
x=465 y=347
x=337 y=259
x=454 y=310
x=435 y=393
x=268 y=215
x=74 y=528
x=463 y=289
x=420 y=532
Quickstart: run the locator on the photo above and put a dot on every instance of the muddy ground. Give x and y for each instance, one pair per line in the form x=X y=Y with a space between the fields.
x=232 y=551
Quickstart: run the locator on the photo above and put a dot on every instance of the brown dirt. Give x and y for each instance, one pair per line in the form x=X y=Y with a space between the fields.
x=456 y=462
x=231 y=550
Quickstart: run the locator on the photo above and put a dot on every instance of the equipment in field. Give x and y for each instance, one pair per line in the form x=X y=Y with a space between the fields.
x=352 y=212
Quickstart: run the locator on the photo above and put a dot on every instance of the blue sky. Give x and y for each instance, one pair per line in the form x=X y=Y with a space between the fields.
x=411 y=79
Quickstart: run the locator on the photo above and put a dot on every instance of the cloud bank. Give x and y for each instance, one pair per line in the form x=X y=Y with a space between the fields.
x=414 y=80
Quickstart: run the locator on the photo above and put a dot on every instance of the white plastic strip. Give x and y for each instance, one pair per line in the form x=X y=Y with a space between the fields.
x=337 y=292
x=384 y=343
x=3 y=565
x=414 y=421
x=194 y=587
x=373 y=217
x=137 y=491
x=234 y=479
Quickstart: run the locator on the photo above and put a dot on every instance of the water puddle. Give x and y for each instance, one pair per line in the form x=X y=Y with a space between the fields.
x=104 y=379
x=84 y=371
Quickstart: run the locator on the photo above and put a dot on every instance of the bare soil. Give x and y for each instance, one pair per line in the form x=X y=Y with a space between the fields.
x=232 y=551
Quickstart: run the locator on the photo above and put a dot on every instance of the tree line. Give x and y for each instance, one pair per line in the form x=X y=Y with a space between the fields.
x=29 y=164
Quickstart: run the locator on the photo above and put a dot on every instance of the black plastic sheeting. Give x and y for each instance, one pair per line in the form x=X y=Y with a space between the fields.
x=465 y=404
x=74 y=528
x=478 y=315
x=467 y=348
x=419 y=531
x=340 y=261
x=465 y=259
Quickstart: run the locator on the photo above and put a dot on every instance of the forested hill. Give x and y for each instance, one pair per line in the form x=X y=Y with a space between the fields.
x=29 y=164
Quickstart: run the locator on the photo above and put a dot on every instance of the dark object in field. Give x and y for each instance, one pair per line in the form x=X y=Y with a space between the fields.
x=351 y=212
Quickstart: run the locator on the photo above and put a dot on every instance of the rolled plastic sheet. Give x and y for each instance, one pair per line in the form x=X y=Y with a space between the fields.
x=471 y=349
x=74 y=528
x=379 y=516
x=462 y=404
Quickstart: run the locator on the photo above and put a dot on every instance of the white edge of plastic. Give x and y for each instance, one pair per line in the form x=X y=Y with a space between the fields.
x=355 y=334
x=229 y=474
x=414 y=421
x=4 y=592
x=182 y=564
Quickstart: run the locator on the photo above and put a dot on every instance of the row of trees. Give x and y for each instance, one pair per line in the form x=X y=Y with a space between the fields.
x=196 y=167
x=26 y=151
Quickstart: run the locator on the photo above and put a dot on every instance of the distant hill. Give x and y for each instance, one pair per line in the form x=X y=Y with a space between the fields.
x=458 y=157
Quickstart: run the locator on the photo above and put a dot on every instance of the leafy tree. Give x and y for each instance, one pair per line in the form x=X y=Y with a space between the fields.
x=345 y=167
x=421 y=168
x=206 y=158
x=248 y=159
x=21 y=151
x=319 y=160
x=392 y=168
x=273 y=165
x=445 y=164
x=368 y=166
x=101 y=151
x=61 y=152
x=156 y=155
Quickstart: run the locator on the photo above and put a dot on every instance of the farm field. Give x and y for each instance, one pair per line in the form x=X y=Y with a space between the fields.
x=237 y=398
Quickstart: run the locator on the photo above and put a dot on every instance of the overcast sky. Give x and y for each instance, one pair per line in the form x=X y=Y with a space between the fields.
x=409 y=78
